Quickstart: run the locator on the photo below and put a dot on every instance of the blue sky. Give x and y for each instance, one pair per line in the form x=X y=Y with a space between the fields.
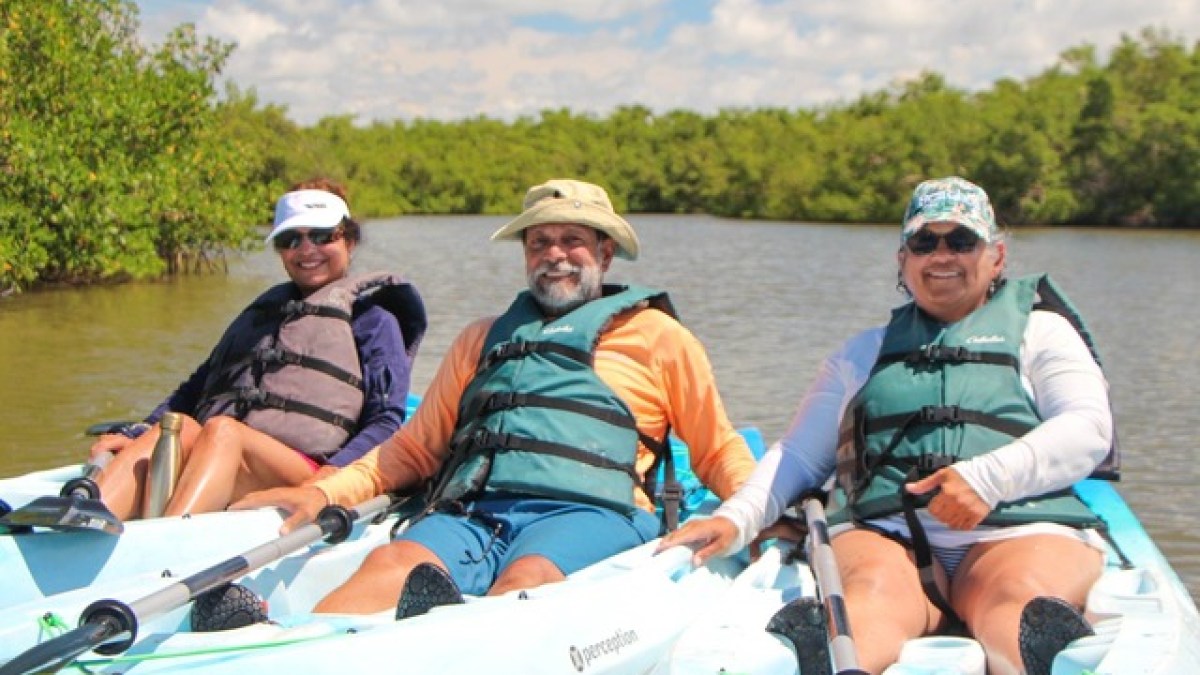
x=449 y=59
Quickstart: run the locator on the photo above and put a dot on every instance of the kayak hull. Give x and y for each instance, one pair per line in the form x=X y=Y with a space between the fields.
x=633 y=613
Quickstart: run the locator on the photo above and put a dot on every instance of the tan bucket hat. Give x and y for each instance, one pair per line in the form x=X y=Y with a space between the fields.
x=572 y=201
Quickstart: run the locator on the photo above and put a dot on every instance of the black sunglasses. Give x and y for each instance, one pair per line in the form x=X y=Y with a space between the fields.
x=958 y=240
x=319 y=237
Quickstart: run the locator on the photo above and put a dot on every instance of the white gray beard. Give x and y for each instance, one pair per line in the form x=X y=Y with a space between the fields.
x=558 y=298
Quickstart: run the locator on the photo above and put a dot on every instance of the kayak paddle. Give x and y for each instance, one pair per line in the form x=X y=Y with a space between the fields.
x=110 y=626
x=78 y=506
x=800 y=620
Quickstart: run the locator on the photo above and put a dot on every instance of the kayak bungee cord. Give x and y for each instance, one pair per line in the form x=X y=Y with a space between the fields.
x=86 y=664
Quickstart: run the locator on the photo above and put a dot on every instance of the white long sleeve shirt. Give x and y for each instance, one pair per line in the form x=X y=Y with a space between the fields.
x=1067 y=386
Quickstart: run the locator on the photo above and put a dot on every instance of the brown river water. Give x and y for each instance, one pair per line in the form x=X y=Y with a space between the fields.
x=769 y=300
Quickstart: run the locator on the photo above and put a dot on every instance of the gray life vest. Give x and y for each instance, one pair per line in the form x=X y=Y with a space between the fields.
x=536 y=420
x=939 y=394
x=289 y=367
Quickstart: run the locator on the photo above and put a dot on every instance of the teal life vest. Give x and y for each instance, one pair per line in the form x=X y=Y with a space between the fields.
x=536 y=420
x=941 y=393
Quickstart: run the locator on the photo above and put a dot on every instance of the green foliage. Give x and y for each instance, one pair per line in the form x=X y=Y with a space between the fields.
x=115 y=164
x=122 y=162
x=1084 y=142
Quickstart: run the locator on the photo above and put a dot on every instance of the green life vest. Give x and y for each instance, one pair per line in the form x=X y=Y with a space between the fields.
x=536 y=419
x=939 y=394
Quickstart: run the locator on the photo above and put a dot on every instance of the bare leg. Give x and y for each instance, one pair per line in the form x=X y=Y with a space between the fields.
x=996 y=579
x=884 y=599
x=377 y=583
x=123 y=482
x=526 y=572
x=230 y=460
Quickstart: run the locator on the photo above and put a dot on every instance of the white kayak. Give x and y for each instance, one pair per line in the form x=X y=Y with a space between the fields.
x=1145 y=620
x=54 y=576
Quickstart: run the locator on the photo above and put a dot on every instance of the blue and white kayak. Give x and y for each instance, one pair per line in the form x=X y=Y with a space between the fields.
x=633 y=613
x=1145 y=620
x=54 y=575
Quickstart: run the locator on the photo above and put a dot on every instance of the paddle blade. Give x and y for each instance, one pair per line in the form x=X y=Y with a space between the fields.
x=55 y=653
x=65 y=513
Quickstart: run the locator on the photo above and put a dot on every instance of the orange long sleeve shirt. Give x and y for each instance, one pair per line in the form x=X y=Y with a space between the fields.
x=650 y=360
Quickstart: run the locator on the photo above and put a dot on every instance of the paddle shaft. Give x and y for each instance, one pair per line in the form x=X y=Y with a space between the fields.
x=180 y=593
x=829 y=583
x=114 y=624
x=85 y=487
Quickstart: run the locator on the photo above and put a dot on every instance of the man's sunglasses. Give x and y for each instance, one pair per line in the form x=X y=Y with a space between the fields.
x=958 y=240
x=319 y=237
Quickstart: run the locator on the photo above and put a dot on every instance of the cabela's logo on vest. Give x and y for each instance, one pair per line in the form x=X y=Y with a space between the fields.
x=984 y=340
x=551 y=330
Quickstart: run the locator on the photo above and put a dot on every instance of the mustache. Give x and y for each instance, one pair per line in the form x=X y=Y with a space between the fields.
x=561 y=267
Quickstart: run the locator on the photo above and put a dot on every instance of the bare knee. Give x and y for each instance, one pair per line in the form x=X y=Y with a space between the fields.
x=526 y=572
x=220 y=434
x=377 y=583
x=398 y=556
x=221 y=428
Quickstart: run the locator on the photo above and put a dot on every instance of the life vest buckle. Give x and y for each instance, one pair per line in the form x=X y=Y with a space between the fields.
x=941 y=414
x=274 y=355
x=935 y=353
x=672 y=491
x=930 y=464
x=296 y=308
x=505 y=351
x=484 y=439
x=502 y=400
x=258 y=398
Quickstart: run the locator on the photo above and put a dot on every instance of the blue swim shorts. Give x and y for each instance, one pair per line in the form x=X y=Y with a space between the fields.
x=477 y=546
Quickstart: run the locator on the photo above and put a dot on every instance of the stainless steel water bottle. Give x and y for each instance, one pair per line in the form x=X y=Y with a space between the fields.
x=164 y=466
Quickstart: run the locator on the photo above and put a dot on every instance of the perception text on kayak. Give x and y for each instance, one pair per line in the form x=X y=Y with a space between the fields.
x=582 y=657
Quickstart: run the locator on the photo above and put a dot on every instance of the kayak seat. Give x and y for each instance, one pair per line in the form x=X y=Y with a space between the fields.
x=227 y=607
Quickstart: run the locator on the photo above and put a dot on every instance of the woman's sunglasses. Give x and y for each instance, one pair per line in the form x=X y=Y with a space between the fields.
x=958 y=240
x=291 y=239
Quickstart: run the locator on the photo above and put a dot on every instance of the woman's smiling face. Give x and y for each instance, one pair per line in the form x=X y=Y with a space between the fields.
x=949 y=285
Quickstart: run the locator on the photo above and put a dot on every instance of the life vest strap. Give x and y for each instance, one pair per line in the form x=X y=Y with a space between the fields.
x=924 y=555
x=504 y=400
x=672 y=489
x=516 y=350
x=500 y=442
x=945 y=416
x=944 y=354
x=269 y=356
x=249 y=398
x=295 y=308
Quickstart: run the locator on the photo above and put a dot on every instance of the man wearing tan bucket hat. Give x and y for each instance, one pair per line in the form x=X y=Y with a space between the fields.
x=541 y=433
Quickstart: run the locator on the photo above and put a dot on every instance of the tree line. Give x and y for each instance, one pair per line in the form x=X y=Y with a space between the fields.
x=124 y=162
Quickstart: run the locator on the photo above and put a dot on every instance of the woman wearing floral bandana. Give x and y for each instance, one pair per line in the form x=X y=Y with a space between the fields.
x=955 y=433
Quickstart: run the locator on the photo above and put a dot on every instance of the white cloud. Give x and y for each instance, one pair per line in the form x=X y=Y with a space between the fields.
x=383 y=59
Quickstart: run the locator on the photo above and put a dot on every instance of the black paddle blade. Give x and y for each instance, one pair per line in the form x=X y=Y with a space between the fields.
x=55 y=653
x=802 y=623
x=65 y=513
